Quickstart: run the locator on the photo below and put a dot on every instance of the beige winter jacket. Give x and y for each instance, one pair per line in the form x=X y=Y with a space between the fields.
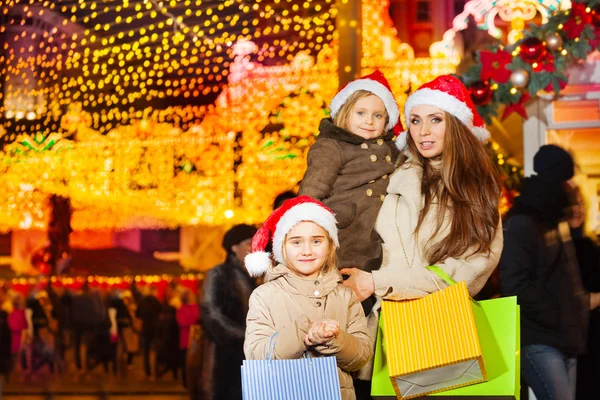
x=398 y=279
x=288 y=304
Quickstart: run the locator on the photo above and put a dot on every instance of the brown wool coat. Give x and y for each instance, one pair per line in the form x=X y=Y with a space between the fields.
x=350 y=174
x=288 y=304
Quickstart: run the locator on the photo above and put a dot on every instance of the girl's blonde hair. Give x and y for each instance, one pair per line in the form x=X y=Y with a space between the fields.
x=468 y=186
x=331 y=262
x=343 y=115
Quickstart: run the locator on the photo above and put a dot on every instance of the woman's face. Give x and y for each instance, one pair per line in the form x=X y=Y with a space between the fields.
x=427 y=128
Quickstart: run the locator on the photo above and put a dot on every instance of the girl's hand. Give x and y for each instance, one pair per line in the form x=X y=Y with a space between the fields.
x=322 y=332
x=360 y=282
x=316 y=334
x=331 y=329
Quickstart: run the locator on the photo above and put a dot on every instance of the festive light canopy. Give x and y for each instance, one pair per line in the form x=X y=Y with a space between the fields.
x=116 y=90
x=123 y=59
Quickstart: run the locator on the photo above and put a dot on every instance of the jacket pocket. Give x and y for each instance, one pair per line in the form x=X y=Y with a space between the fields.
x=344 y=213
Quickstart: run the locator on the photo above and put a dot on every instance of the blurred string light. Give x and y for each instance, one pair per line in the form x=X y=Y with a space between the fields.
x=127 y=91
x=24 y=285
x=123 y=55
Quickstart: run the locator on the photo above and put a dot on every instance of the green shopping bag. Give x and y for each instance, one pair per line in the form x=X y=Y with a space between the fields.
x=498 y=325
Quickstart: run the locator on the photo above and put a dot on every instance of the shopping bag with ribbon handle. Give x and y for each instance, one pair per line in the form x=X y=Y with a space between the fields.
x=436 y=335
x=305 y=378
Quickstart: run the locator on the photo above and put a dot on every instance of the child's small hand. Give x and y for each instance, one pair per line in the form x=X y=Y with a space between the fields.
x=321 y=332
x=332 y=328
x=315 y=335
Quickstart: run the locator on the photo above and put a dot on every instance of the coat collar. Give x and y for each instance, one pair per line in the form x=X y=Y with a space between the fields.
x=319 y=287
x=327 y=130
x=406 y=180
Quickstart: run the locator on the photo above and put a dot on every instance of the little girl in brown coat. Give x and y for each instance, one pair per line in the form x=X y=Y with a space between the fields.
x=349 y=165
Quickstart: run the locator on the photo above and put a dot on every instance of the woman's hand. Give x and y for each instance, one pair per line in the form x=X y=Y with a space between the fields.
x=360 y=282
x=321 y=332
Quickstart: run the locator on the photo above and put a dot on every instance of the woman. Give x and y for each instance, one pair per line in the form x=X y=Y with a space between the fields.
x=442 y=202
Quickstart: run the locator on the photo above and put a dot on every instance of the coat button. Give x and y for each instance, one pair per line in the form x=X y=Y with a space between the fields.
x=382 y=197
x=380 y=141
x=316 y=292
x=316 y=283
x=388 y=159
x=318 y=304
x=364 y=146
x=372 y=181
x=374 y=158
x=369 y=192
x=385 y=176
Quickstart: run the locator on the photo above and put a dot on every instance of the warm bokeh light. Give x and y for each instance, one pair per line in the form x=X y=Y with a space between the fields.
x=152 y=114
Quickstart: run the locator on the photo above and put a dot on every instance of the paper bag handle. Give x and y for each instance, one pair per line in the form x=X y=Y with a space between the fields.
x=271 y=346
x=443 y=275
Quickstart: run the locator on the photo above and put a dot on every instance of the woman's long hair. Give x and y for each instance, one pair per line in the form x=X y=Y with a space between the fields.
x=468 y=185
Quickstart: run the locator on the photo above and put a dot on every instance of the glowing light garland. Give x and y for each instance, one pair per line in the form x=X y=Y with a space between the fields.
x=130 y=158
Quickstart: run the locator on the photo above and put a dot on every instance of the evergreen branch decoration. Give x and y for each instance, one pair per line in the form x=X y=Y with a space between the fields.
x=536 y=64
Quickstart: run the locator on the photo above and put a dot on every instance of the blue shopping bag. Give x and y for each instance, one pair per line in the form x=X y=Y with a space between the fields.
x=314 y=378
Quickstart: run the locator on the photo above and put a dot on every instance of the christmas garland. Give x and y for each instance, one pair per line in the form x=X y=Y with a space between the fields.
x=510 y=75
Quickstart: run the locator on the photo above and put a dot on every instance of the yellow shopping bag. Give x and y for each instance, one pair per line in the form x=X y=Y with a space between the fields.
x=432 y=343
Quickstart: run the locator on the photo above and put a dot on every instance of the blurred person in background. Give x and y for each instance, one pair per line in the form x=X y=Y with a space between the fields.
x=540 y=267
x=187 y=315
x=227 y=289
x=588 y=258
x=149 y=312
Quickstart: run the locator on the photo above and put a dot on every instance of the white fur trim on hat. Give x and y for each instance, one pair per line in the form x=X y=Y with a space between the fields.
x=441 y=100
x=481 y=133
x=303 y=212
x=401 y=140
x=374 y=87
x=257 y=262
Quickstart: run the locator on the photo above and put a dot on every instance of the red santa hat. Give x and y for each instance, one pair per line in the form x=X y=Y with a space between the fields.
x=447 y=93
x=279 y=223
x=376 y=84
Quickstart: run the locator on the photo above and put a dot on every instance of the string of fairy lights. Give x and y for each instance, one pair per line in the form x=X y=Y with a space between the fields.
x=159 y=114
x=119 y=56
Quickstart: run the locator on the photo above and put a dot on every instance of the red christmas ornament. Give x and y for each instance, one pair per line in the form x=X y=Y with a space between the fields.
x=481 y=93
x=532 y=49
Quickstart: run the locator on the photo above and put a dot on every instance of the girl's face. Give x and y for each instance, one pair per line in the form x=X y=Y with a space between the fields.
x=306 y=249
x=367 y=118
x=428 y=129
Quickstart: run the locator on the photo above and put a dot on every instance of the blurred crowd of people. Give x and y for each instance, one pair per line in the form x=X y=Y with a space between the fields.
x=100 y=326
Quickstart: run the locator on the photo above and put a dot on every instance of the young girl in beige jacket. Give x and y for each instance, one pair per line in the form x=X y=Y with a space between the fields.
x=303 y=299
